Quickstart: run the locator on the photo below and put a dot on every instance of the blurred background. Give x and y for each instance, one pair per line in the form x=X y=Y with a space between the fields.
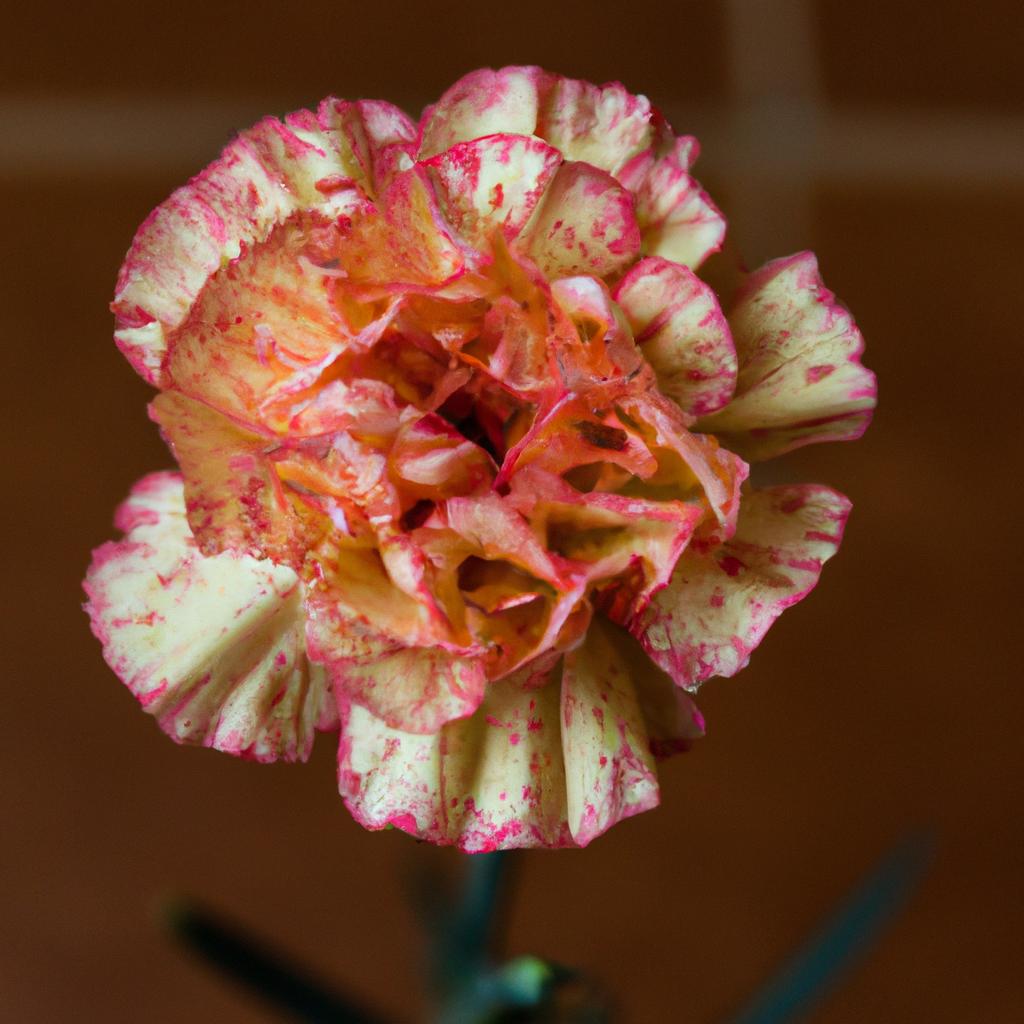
x=890 y=139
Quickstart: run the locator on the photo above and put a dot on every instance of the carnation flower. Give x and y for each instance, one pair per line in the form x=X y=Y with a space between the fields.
x=463 y=441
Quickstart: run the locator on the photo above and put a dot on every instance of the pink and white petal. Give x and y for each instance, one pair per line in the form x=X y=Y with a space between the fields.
x=421 y=249
x=610 y=771
x=311 y=164
x=212 y=647
x=602 y=125
x=722 y=600
x=262 y=323
x=585 y=225
x=677 y=322
x=389 y=778
x=369 y=137
x=234 y=499
x=503 y=774
x=800 y=376
x=414 y=689
x=493 y=182
x=677 y=219
x=493 y=781
x=260 y=180
x=671 y=717
x=234 y=201
x=484 y=102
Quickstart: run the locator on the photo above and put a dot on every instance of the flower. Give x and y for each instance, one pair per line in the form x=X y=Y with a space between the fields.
x=463 y=442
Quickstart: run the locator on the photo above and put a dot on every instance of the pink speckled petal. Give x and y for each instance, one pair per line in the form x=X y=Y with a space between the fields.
x=603 y=125
x=584 y=226
x=372 y=139
x=484 y=102
x=610 y=771
x=415 y=689
x=234 y=499
x=261 y=179
x=682 y=333
x=722 y=600
x=552 y=757
x=236 y=200
x=493 y=182
x=213 y=648
x=420 y=247
x=800 y=377
x=493 y=781
x=263 y=323
x=677 y=218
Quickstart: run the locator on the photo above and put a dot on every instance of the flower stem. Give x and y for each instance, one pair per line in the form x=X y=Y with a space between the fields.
x=465 y=955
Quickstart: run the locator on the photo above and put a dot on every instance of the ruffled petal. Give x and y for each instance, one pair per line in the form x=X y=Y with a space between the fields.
x=490 y=183
x=370 y=140
x=234 y=498
x=601 y=349
x=263 y=323
x=420 y=248
x=214 y=648
x=493 y=781
x=584 y=226
x=415 y=689
x=800 y=376
x=722 y=600
x=484 y=102
x=686 y=461
x=682 y=333
x=260 y=180
x=602 y=125
x=626 y=545
x=610 y=771
x=551 y=758
x=677 y=218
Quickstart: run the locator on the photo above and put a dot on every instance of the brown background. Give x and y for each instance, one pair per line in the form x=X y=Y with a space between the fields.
x=890 y=700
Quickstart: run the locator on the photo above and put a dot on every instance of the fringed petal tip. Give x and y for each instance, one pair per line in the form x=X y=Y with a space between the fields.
x=213 y=648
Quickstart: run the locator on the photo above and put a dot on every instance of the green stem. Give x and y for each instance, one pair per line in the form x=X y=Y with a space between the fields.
x=466 y=951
